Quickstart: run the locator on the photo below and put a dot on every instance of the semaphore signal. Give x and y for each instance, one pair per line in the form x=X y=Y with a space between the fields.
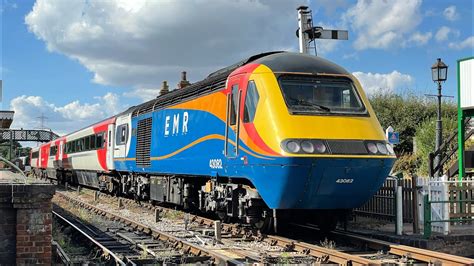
x=307 y=33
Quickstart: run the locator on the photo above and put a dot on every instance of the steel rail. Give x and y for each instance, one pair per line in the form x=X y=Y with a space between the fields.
x=424 y=255
x=320 y=252
x=163 y=236
x=287 y=244
x=317 y=251
x=106 y=250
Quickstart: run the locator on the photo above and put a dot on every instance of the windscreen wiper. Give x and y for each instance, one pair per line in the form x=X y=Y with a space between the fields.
x=306 y=103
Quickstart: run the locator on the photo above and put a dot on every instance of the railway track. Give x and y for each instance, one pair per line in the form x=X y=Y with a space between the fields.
x=424 y=255
x=232 y=251
x=286 y=250
x=379 y=248
x=119 y=245
x=408 y=253
x=393 y=253
x=116 y=251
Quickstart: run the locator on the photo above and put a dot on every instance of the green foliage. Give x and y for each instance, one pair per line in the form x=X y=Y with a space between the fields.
x=425 y=138
x=17 y=150
x=407 y=163
x=405 y=112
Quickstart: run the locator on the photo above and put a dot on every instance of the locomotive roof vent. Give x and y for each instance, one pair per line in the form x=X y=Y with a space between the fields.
x=164 y=88
x=183 y=83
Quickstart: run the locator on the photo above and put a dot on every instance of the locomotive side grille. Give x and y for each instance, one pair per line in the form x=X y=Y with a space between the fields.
x=347 y=147
x=143 y=142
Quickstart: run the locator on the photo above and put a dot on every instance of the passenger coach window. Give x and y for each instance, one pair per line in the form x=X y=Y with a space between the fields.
x=53 y=150
x=92 y=140
x=251 y=100
x=99 y=140
x=233 y=104
x=122 y=134
x=87 y=143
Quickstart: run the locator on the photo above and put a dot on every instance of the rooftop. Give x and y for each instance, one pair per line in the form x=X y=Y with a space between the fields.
x=6 y=119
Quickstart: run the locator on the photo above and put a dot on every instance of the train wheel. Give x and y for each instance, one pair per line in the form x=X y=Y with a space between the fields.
x=110 y=187
x=264 y=226
x=223 y=216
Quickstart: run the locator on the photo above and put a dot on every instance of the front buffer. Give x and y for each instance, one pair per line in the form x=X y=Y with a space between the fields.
x=326 y=183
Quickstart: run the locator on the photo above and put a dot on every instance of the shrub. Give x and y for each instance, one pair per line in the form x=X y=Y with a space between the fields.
x=405 y=112
x=426 y=137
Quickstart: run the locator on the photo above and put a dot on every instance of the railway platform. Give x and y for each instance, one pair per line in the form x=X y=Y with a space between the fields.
x=25 y=219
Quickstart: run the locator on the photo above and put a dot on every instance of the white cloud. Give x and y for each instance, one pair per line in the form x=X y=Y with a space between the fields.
x=467 y=43
x=382 y=24
x=351 y=56
x=430 y=13
x=143 y=93
x=444 y=32
x=331 y=6
x=374 y=82
x=450 y=13
x=418 y=39
x=141 y=43
x=62 y=119
x=6 y=5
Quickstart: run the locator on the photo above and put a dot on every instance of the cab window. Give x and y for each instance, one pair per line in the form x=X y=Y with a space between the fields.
x=233 y=104
x=321 y=95
x=251 y=100
x=121 y=135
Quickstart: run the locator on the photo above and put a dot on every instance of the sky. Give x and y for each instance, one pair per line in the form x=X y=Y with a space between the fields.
x=77 y=62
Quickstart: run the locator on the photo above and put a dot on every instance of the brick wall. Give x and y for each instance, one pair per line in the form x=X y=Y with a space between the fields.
x=33 y=235
x=7 y=235
x=25 y=223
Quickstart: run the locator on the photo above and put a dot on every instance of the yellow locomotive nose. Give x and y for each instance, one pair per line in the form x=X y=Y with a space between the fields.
x=331 y=152
x=313 y=106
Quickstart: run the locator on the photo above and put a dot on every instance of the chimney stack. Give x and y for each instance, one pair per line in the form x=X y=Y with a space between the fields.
x=164 y=88
x=183 y=83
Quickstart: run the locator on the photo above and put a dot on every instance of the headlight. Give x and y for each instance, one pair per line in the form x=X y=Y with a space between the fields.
x=372 y=147
x=319 y=146
x=390 y=149
x=307 y=146
x=293 y=146
x=382 y=148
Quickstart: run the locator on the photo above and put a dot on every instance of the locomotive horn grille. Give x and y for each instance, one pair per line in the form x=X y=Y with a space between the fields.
x=347 y=147
x=143 y=142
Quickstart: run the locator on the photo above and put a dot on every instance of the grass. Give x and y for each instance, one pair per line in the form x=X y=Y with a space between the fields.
x=328 y=244
x=63 y=238
x=172 y=214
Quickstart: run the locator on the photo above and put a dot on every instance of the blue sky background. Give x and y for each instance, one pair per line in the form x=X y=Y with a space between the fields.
x=77 y=62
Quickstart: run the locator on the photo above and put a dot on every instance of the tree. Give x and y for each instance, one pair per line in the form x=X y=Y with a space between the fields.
x=17 y=149
x=426 y=136
x=405 y=113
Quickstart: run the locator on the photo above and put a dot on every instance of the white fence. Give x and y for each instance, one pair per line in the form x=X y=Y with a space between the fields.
x=440 y=189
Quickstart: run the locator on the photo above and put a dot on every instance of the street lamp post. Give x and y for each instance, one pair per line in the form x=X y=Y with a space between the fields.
x=439 y=73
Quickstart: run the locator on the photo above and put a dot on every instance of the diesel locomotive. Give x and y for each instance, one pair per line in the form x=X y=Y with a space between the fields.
x=278 y=134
